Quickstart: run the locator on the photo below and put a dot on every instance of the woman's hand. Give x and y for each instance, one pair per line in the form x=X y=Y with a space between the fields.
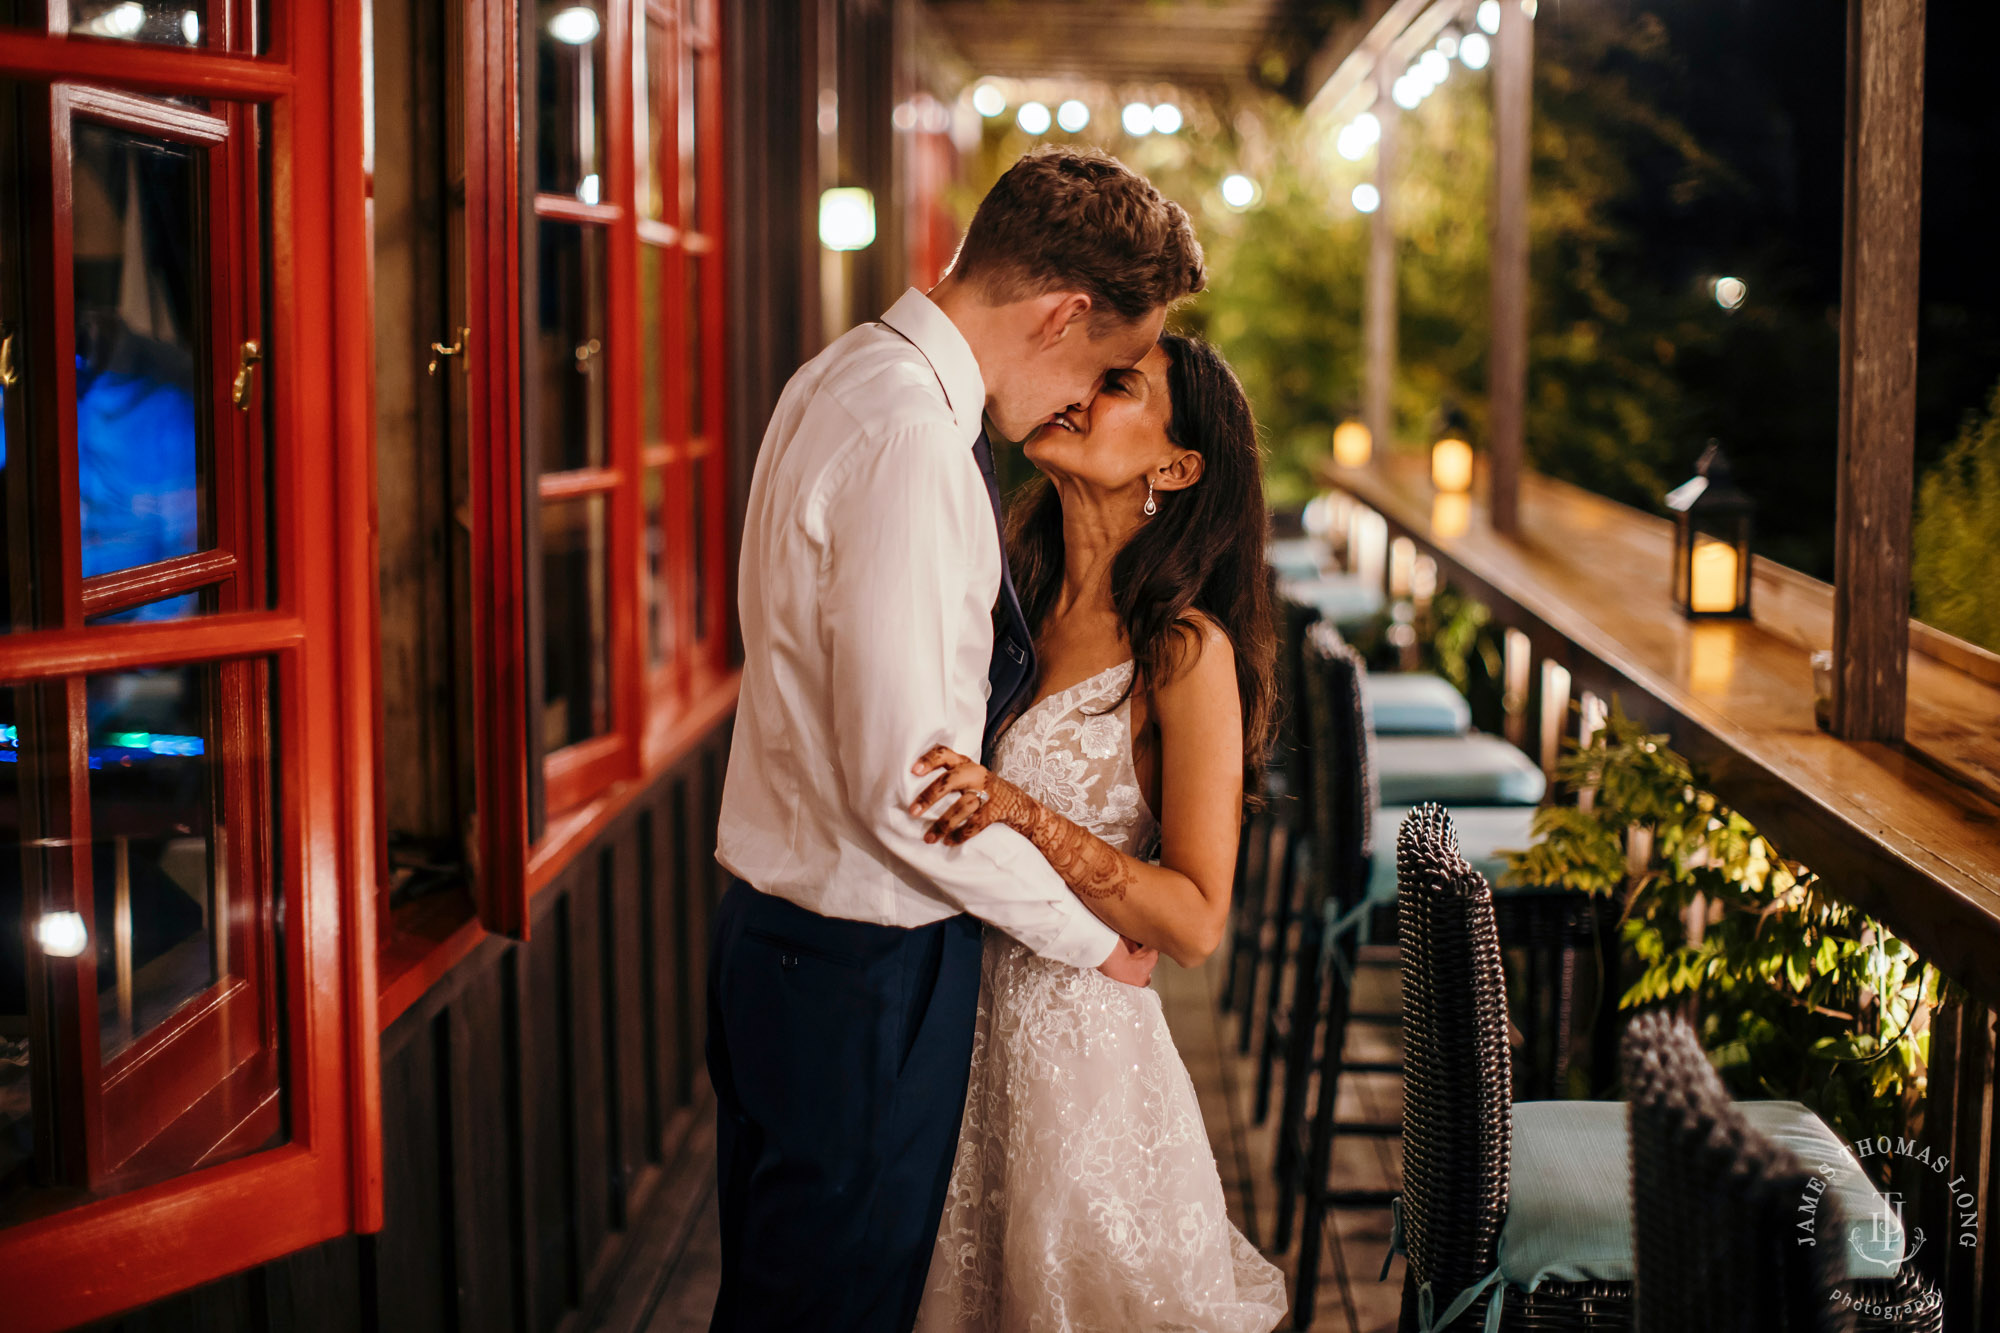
x=983 y=797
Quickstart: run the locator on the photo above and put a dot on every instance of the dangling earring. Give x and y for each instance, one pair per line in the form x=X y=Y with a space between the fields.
x=1152 y=505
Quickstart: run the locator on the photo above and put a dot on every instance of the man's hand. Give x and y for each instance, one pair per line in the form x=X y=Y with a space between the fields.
x=1130 y=962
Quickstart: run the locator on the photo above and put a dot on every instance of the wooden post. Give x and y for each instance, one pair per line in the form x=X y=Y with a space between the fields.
x=1507 y=364
x=1878 y=367
x=1378 y=324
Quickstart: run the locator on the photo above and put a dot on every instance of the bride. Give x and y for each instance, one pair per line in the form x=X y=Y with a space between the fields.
x=1084 y=1195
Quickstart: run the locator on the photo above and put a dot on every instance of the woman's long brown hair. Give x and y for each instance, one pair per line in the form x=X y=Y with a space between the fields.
x=1203 y=551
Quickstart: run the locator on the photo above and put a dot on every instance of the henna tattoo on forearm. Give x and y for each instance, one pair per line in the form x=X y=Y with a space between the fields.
x=1091 y=867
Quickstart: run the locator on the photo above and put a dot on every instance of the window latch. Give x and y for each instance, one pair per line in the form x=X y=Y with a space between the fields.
x=247 y=357
x=439 y=351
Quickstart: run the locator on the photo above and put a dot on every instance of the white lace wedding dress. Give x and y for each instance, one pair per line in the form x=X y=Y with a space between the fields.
x=1084 y=1195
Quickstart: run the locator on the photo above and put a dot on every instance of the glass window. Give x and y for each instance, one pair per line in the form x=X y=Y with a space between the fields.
x=149 y=920
x=697 y=397
x=652 y=352
x=656 y=65
x=141 y=325
x=699 y=538
x=571 y=67
x=659 y=590
x=694 y=85
x=576 y=654
x=569 y=351
x=174 y=23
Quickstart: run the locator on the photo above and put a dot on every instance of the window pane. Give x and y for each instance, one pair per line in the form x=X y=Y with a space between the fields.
x=696 y=70
x=16 y=497
x=152 y=808
x=569 y=354
x=175 y=23
x=697 y=398
x=699 y=536
x=659 y=584
x=576 y=652
x=652 y=351
x=656 y=63
x=155 y=905
x=570 y=41
x=141 y=327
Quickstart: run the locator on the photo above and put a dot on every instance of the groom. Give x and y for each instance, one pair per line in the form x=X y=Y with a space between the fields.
x=844 y=968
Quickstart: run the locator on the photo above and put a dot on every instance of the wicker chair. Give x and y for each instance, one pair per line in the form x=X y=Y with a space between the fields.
x=1716 y=1211
x=1458 y=1125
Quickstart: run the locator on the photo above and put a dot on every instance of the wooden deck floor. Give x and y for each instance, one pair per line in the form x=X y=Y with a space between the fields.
x=669 y=1285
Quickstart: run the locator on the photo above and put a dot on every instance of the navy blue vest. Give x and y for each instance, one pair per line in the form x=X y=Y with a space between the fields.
x=1011 y=673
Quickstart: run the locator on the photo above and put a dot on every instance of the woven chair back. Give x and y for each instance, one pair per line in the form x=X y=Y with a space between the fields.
x=1341 y=811
x=1716 y=1205
x=1457 y=1079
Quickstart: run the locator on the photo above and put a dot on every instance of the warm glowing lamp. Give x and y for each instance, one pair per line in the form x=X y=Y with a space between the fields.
x=1451 y=456
x=1711 y=575
x=1352 y=444
x=847 y=218
x=1451 y=514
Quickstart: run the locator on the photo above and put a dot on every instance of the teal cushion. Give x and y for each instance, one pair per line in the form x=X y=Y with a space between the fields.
x=1345 y=599
x=1416 y=703
x=1569 y=1210
x=1484 y=832
x=1298 y=557
x=1455 y=770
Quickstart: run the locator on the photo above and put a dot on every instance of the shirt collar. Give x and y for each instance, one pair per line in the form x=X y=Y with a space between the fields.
x=931 y=332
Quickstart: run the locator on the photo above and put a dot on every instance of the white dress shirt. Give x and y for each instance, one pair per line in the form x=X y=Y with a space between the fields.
x=870 y=567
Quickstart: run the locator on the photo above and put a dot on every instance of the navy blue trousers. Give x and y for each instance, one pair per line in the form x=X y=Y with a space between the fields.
x=839 y=1051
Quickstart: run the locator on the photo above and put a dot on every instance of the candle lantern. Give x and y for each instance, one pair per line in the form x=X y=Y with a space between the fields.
x=1711 y=541
x=1352 y=444
x=1451 y=456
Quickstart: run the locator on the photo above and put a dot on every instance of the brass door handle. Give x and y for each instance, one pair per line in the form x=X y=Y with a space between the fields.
x=10 y=374
x=247 y=357
x=439 y=351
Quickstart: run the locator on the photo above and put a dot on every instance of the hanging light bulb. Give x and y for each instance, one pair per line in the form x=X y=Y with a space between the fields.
x=1366 y=198
x=1073 y=116
x=1034 y=118
x=1487 y=16
x=1137 y=119
x=1166 y=119
x=988 y=100
x=1474 y=50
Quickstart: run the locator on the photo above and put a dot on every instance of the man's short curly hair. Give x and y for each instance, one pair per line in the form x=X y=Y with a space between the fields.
x=1068 y=219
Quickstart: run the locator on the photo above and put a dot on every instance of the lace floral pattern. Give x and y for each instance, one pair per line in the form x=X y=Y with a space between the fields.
x=1084 y=1196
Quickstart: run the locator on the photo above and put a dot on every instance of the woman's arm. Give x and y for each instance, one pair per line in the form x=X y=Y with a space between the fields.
x=1181 y=905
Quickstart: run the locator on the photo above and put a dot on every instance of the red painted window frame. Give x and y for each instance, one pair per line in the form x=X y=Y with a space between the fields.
x=113 y=1253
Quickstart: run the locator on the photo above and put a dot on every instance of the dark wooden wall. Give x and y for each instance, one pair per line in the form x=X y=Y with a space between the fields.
x=533 y=1103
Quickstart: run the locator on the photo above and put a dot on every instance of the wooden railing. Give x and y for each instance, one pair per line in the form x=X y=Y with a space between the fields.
x=1909 y=833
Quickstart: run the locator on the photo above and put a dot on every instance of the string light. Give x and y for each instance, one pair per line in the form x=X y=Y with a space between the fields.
x=988 y=100
x=1166 y=119
x=1033 y=117
x=1138 y=119
x=1073 y=116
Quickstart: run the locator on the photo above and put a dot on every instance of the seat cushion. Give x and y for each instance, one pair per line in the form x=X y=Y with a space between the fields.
x=1416 y=703
x=1298 y=557
x=1344 y=599
x=1569 y=1210
x=1454 y=770
x=1484 y=833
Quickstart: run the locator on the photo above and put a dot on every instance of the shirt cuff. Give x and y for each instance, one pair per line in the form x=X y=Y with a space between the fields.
x=1085 y=942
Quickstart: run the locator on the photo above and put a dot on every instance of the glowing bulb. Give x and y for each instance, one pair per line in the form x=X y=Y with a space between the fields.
x=904 y=117
x=1033 y=117
x=1073 y=116
x=847 y=218
x=587 y=188
x=1406 y=94
x=191 y=27
x=1435 y=65
x=575 y=25
x=1451 y=514
x=61 y=934
x=1351 y=143
x=1713 y=577
x=1729 y=292
x=1366 y=198
x=988 y=100
x=1474 y=51
x=1530 y=8
x=1166 y=119
x=1239 y=191
x=1138 y=119
x=1451 y=465
x=1367 y=124
x=1447 y=43
x=1352 y=444
x=1487 y=16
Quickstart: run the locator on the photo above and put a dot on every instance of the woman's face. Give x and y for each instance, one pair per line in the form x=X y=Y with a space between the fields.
x=1117 y=443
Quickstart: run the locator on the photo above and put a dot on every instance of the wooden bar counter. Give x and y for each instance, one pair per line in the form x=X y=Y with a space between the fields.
x=1908 y=833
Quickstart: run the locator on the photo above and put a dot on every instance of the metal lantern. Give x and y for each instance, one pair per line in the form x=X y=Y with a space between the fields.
x=1711 y=541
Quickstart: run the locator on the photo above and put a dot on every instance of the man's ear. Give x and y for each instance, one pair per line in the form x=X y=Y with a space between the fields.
x=1063 y=310
x=1181 y=472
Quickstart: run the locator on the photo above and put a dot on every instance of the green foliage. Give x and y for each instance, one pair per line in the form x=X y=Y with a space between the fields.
x=1957 y=533
x=1795 y=995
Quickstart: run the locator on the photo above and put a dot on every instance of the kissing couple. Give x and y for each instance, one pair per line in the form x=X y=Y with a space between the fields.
x=979 y=783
